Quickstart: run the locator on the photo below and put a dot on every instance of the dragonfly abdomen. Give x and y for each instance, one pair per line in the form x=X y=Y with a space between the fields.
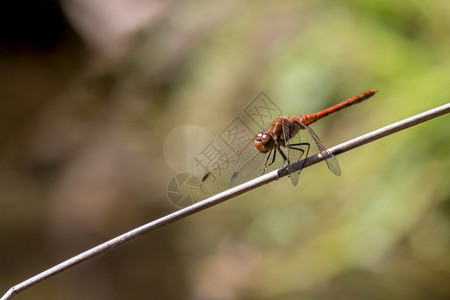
x=311 y=118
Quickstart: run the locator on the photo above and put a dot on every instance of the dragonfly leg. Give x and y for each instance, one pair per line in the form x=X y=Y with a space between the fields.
x=266 y=165
x=285 y=158
x=295 y=147
x=298 y=147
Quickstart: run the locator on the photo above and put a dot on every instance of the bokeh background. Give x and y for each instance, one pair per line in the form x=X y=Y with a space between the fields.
x=90 y=90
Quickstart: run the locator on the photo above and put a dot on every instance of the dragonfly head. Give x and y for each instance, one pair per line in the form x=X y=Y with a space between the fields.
x=264 y=142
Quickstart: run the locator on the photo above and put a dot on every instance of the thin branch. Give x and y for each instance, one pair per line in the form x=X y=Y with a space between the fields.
x=221 y=197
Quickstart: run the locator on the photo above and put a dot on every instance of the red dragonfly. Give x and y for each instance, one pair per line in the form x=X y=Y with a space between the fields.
x=287 y=133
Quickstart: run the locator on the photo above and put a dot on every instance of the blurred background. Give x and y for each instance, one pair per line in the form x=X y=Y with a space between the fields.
x=91 y=90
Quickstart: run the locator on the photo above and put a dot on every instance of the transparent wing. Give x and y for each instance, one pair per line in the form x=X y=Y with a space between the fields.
x=330 y=159
x=297 y=148
x=242 y=165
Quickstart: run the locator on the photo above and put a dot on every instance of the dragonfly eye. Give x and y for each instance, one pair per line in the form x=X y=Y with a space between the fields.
x=263 y=142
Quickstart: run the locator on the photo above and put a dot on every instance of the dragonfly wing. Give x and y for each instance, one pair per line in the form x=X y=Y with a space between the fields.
x=250 y=167
x=295 y=149
x=242 y=165
x=330 y=159
x=294 y=178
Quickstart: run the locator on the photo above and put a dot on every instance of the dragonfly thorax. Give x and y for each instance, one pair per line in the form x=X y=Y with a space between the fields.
x=264 y=142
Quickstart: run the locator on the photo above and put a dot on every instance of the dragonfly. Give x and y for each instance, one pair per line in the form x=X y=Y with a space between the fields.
x=289 y=137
